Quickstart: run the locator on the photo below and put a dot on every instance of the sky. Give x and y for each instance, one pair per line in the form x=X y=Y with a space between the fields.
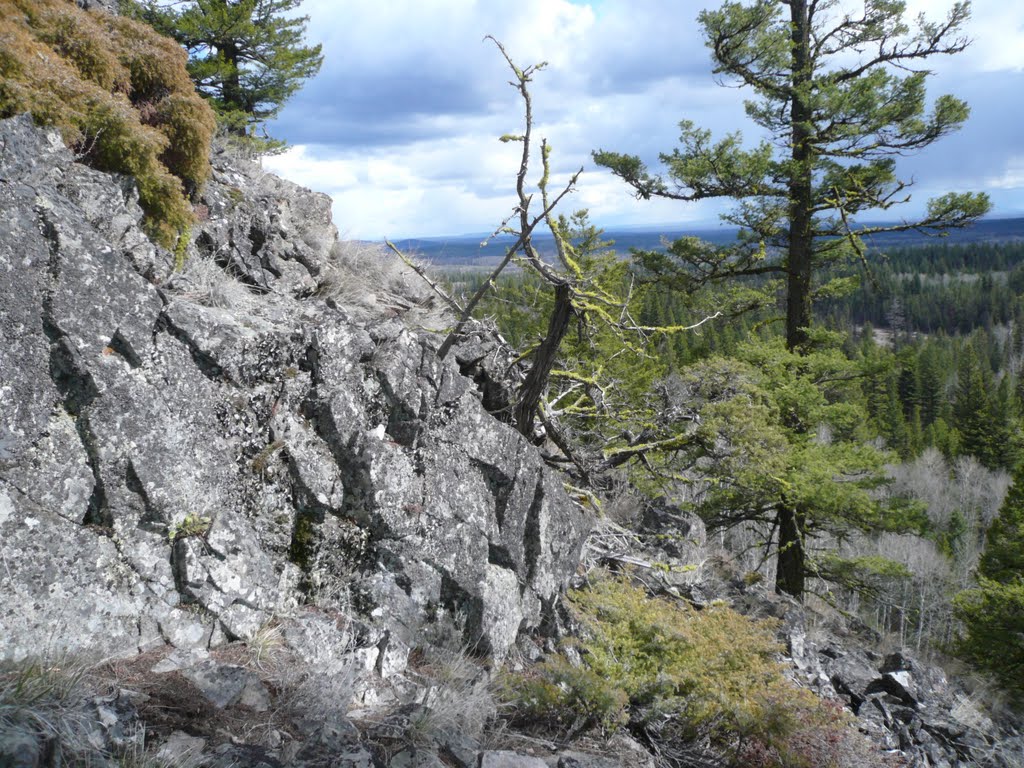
x=401 y=125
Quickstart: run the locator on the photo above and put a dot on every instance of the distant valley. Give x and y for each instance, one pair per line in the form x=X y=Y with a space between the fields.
x=466 y=250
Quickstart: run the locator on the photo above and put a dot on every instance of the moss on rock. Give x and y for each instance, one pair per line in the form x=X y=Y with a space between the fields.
x=118 y=92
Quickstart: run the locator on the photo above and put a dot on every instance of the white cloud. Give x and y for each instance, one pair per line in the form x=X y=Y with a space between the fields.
x=417 y=189
x=995 y=29
x=400 y=127
x=1012 y=176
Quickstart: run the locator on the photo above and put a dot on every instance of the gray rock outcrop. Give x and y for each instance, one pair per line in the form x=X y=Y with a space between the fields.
x=903 y=704
x=111 y=6
x=183 y=457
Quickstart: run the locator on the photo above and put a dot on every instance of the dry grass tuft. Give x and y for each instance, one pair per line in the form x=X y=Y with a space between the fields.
x=459 y=700
x=368 y=281
x=451 y=698
x=41 y=702
x=266 y=646
x=204 y=282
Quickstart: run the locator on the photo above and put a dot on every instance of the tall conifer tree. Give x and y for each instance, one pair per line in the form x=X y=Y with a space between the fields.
x=971 y=404
x=246 y=56
x=840 y=95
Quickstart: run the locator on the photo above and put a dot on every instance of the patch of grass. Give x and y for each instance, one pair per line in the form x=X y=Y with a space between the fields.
x=259 y=463
x=41 y=701
x=328 y=689
x=459 y=701
x=266 y=645
x=202 y=281
x=119 y=94
x=367 y=281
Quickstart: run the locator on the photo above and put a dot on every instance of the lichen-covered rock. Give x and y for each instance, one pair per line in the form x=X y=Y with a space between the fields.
x=271 y=234
x=181 y=462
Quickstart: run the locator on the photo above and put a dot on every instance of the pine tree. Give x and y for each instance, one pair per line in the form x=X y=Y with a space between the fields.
x=245 y=56
x=971 y=407
x=993 y=613
x=841 y=99
x=893 y=424
x=1003 y=446
x=1003 y=559
x=772 y=436
x=930 y=387
x=841 y=95
x=908 y=385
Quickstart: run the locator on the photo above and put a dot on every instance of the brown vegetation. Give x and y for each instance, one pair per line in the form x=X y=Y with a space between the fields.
x=119 y=94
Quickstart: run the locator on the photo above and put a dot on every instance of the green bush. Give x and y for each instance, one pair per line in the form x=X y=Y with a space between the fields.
x=185 y=123
x=70 y=36
x=118 y=92
x=677 y=676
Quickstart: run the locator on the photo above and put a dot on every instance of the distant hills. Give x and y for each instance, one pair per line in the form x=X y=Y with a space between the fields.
x=465 y=250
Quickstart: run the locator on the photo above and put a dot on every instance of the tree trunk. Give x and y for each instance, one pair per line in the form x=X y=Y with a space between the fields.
x=789 y=576
x=801 y=203
x=231 y=89
x=543 y=361
x=790 y=571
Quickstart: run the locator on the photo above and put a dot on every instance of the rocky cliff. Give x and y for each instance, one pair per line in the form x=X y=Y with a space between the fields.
x=112 y=6
x=186 y=456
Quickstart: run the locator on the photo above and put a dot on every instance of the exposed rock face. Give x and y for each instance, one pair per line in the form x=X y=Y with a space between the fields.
x=173 y=469
x=900 y=702
x=111 y=6
x=184 y=457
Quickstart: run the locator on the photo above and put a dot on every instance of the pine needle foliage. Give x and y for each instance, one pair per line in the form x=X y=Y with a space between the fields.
x=838 y=93
x=246 y=57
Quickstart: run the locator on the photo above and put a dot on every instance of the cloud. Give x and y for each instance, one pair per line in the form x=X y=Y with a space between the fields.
x=425 y=188
x=995 y=29
x=1012 y=176
x=400 y=126
x=982 y=155
x=391 y=69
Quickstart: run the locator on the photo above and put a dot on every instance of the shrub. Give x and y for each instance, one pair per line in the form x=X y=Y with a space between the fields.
x=676 y=676
x=75 y=37
x=119 y=94
x=184 y=120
